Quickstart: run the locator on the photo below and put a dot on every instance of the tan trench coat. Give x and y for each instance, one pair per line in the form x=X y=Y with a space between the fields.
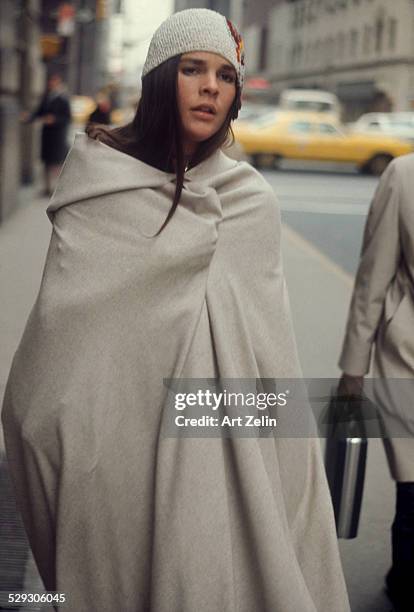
x=382 y=312
x=118 y=517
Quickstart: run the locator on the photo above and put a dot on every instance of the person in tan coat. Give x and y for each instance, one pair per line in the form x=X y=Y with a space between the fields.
x=165 y=263
x=381 y=316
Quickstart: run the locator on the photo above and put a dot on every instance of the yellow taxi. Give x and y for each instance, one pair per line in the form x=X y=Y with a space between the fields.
x=82 y=107
x=317 y=137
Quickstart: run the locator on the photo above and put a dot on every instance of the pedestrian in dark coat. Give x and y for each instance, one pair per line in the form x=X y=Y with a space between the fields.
x=55 y=114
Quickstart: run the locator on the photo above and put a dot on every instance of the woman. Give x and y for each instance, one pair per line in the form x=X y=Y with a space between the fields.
x=382 y=316
x=55 y=114
x=137 y=289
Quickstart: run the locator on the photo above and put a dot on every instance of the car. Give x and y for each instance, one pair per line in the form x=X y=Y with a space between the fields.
x=403 y=118
x=400 y=125
x=310 y=100
x=251 y=111
x=318 y=137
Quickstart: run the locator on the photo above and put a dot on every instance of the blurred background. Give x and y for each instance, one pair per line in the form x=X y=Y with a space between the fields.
x=98 y=48
x=328 y=102
x=350 y=58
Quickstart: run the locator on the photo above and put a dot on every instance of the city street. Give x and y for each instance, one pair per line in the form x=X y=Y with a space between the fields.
x=327 y=207
x=323 y=215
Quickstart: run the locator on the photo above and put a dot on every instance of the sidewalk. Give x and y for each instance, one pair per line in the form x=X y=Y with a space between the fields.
x=319 y=294
x=24 y=239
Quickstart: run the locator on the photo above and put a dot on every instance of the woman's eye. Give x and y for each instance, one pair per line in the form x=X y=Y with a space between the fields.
x=228 y=78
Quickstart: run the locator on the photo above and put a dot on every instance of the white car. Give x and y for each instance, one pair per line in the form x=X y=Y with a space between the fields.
x=310 y=100
x=400 y=125
x=250 y=111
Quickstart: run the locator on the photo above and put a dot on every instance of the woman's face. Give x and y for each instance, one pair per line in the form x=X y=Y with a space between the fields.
x=205 y=92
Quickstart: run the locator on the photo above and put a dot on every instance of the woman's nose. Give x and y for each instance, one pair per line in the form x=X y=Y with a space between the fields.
x=210 y=83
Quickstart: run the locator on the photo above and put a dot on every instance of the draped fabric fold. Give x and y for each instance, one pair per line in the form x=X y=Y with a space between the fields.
x=119 y=516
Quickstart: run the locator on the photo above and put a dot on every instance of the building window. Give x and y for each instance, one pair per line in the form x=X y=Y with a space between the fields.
x=353 y=41
x=367 y=39
x=312 y=51
x=326 y=52
x=329 y=51
x=340 y=45
x=311 y=11
x=317 y=59
x=392 y=34
x=307 y=55
x=294 y=56
x=219 y=5
x=301 y=14
x=278 y=56
x=263 y=49
x=300 y=54
x=379 y=31
x=295 y=16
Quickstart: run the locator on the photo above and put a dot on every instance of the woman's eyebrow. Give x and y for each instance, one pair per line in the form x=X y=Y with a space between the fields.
x=200 y=62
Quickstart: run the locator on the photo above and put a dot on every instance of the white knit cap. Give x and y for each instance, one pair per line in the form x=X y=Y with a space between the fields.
x=196 y=30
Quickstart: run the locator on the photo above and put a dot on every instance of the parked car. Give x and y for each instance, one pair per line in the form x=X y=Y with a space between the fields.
x=403 y=118
x=250 y=111
x=315 y=136
x=310 y=100
x=400 y=125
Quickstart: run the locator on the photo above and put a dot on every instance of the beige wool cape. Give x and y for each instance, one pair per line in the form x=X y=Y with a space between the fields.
x=119 y=517
x=381 y=314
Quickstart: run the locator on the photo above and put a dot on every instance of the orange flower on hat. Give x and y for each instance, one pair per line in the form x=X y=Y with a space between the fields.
x=239 y=42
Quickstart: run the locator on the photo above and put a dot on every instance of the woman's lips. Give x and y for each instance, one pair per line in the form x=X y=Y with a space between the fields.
x=204 y=115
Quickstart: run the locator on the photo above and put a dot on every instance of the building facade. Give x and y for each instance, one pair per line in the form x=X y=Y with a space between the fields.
x=35 y=40
x=233 y=9
x=362 y=50
x=21 y=79
x=222 y=6
x=81 y=42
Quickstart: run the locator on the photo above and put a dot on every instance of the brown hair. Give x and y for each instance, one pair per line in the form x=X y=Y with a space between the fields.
x=154 y=134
